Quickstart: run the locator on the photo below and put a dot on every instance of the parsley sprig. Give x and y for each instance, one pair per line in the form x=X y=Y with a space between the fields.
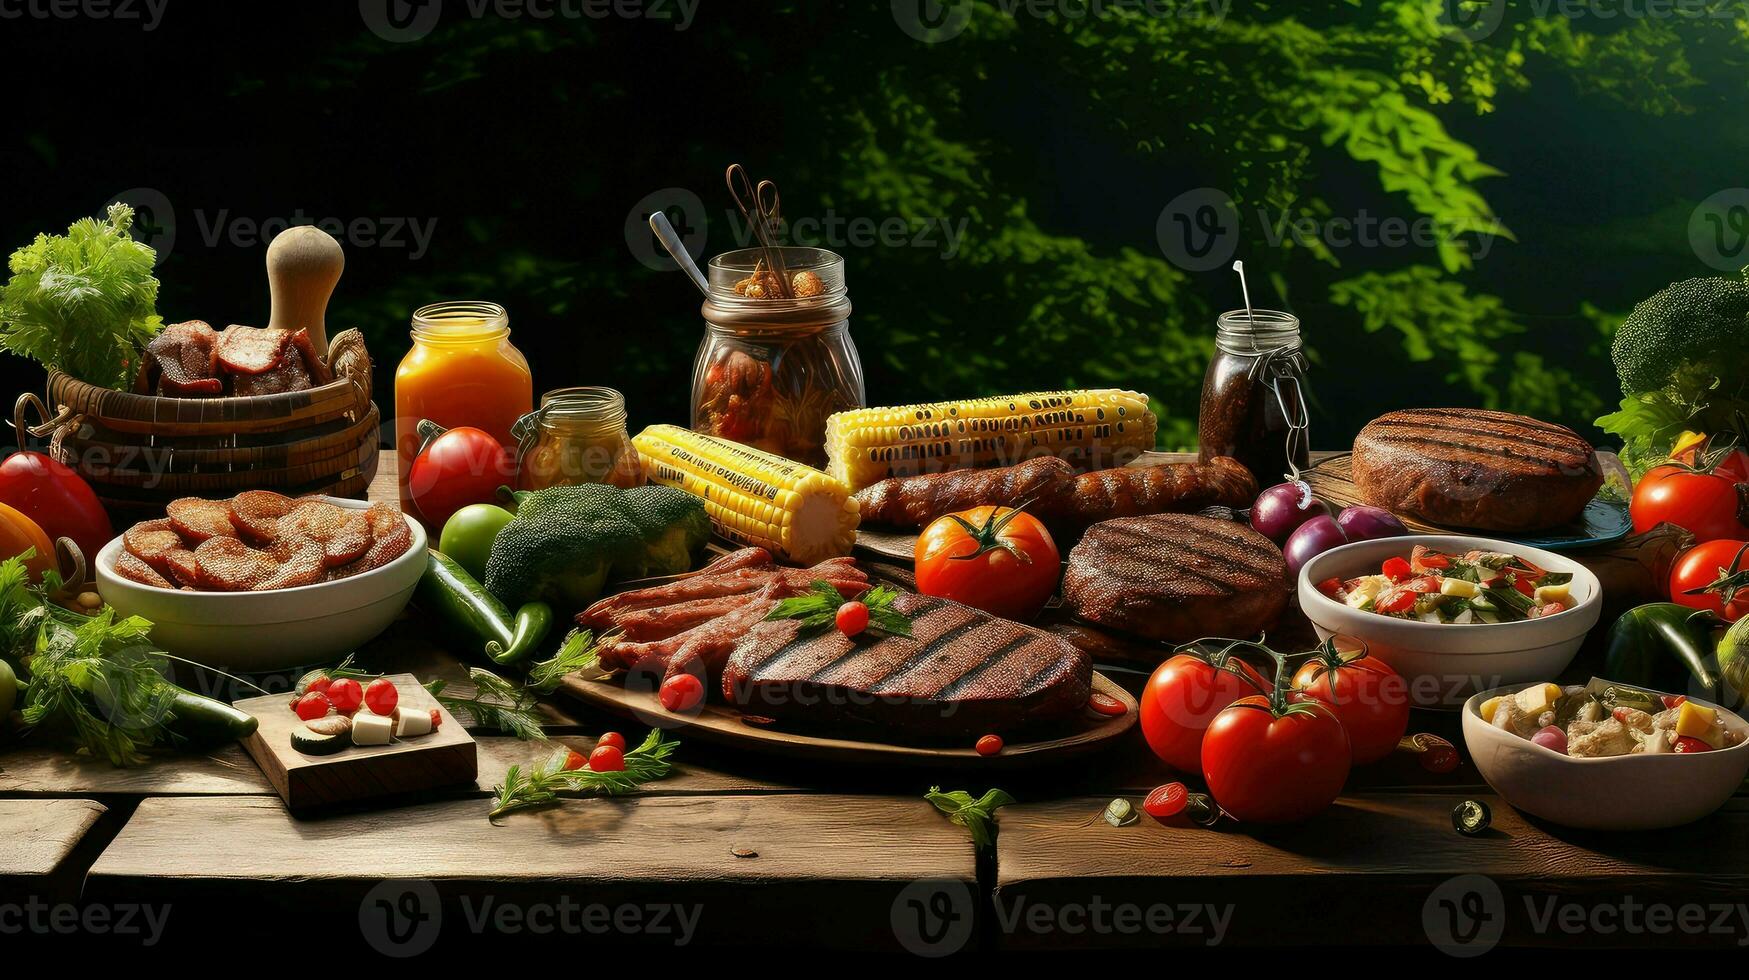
x=541 y=785
x=819 y=609
x=976 y=815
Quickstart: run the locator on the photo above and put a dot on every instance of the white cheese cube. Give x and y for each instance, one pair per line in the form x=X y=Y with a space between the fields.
x=1546 y=594
x=372 y=729
x=1462 y=588
x=408 y=723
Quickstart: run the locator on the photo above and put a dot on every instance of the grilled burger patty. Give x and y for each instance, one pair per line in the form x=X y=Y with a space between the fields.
x=962 y=672
x=1176 y=577
x=1466 y=467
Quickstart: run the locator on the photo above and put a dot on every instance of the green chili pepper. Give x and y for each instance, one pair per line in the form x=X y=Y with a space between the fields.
x=462 y=603
x=1660 y=646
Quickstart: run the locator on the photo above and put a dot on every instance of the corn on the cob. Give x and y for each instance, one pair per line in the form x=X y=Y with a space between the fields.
x=754 y=498
x=1091 y=429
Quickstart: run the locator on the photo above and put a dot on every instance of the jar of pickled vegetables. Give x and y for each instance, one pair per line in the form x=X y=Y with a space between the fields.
x=578 y=435
x=777 y=357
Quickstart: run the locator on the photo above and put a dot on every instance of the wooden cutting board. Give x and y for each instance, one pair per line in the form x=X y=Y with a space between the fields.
x=445 y=757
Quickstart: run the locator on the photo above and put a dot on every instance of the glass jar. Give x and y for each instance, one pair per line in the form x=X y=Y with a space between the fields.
x=462 y=370
x=1254 y=395
x=771 y=368
x=578 y=435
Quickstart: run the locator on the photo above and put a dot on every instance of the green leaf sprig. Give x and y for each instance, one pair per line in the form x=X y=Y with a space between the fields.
x=819 y=609
x=541 y=785
x=976 y=815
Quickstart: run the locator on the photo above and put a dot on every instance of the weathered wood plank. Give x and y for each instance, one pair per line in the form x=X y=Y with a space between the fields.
x=37 y=835
x=830 y=868
x=1374 y=868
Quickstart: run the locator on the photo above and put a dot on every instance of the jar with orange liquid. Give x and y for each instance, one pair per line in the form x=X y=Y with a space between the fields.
x=462 y=370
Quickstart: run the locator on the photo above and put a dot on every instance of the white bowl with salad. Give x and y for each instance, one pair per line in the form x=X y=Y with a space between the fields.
x=1454 y=614
x=1606 y=756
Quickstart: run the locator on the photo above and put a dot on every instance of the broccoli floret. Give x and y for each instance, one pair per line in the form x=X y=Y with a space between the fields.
x=567 y=543
x=1683 y=364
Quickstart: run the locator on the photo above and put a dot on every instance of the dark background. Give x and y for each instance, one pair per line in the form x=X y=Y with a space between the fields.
x=526 y=142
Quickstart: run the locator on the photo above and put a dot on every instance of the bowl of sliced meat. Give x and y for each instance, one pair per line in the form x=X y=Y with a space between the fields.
x=262 y=581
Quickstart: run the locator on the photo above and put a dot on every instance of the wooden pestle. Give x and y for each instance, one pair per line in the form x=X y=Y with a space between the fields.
x=303 y=265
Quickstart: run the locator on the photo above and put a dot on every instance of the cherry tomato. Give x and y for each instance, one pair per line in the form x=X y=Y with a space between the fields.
x=1396 y=569
x=57 y=499
x=997 y=559
x=1183 y=695
x=989 y=745
x=381 y=696
x=1331 y=587
x=436 y=719
x=320 y=685
x=1711 y=505
x=852 y=618
x=681 y=692
x=1672 y=701
x=1275 y=766
x=1106 y=705
x=1395 y=600
x=1167 y=801
x=346 y=695
x=608 y=758
x=1710 y=571
x=1688 y=743
x=1366 y=695
x=1438 y=756
x=313 y=705
x=461 y=466
x=614 y=739
x=1425 y=559
x=574 y=761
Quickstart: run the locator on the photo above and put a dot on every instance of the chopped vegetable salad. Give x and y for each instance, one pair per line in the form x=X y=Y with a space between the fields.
x=1477 y=587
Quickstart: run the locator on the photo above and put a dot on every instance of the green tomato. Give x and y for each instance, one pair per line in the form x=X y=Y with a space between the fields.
x=467 y=537
x=8 y=691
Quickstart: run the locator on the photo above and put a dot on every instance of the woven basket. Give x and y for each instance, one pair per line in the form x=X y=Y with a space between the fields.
x=139 y=452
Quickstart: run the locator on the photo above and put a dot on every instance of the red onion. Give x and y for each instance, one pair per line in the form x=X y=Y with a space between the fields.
x=1281 y=509
x=1311 y=539
x=1363 y=523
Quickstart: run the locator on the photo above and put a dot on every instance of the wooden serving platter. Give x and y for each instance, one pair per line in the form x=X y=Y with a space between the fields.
x=722 y=724
x=446 y=757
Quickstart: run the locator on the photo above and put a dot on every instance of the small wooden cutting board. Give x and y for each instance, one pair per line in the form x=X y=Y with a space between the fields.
x=445 y=757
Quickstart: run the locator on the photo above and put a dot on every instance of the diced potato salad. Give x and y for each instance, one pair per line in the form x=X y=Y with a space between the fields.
x=1478 y=587
x=1605 y=719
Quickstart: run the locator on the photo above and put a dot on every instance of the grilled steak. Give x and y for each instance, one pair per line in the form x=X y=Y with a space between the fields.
x=1176 y=577
x=1056 y=495
x=962 y=672
x=1465 y=467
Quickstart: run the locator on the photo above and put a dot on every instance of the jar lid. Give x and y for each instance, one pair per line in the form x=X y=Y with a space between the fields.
x=605 y=408
x=460 y=320
x=724 y=306
x=1256 y=331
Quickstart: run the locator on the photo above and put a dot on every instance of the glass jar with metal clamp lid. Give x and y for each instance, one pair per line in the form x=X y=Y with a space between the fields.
x=1254 y=395
x=577 y=435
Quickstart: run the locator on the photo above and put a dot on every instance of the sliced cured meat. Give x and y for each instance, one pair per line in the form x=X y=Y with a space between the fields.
x=344 y=534
x=198 y=520
x=290 y=374
x=390 y=538
x=252 y=350
x=186 y=357
x=229 y=565
x=135 y=570
x=150 y=541
x=182 y=568
x=319 y=373
x=256 y=513
x=304 y=566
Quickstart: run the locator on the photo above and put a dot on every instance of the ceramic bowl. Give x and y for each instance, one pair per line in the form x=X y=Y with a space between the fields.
x=1628 y=792
x=1446 y=663
x=263 y=631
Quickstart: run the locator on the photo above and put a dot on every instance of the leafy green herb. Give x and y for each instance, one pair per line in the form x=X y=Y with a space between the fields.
x=819 y=609
x=578 y=652
x=976 y=815
x=496 y=703
x=541 y=785
x=83 y=302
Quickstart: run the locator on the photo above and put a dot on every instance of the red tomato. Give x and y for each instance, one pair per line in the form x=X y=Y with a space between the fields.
x=574 y=761
x=57 y=499
x=852 y=618
x=1423 y=559
x=614 y=739
x=436 y=719
x=1278 y=764
x=1711 y=505
x=1688 y=743
x=312 y=706
x=1184 y=694
x=1366 y=695
x=1708 y=573
x=320 y=685
x=989 y=745
x=1167 y=801
x=997 y=559
x=1395 y=600
x=681 y=692
x=1396 y=569
x=607 y=758
x=381 y=696
x=346 y=695
x=462 y=466
x=1331 y=587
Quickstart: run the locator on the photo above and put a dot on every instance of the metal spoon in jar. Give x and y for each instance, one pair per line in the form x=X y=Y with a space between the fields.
x=670 y=240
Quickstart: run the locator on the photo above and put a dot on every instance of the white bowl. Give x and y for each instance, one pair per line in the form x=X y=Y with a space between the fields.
x=261 y=631
x=1446 y=663
x=1628 y=792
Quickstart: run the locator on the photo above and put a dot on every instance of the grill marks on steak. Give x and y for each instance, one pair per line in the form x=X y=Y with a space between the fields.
x=961 y=672
x=1492 y=439
x=1176 y=577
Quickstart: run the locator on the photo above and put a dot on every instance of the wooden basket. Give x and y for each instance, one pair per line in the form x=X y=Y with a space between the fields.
x=139 y=452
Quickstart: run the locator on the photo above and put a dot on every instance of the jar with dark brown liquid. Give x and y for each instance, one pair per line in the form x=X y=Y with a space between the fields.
x=1253 y=397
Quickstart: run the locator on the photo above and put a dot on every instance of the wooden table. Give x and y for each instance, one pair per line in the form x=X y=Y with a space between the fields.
x=739 y=849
